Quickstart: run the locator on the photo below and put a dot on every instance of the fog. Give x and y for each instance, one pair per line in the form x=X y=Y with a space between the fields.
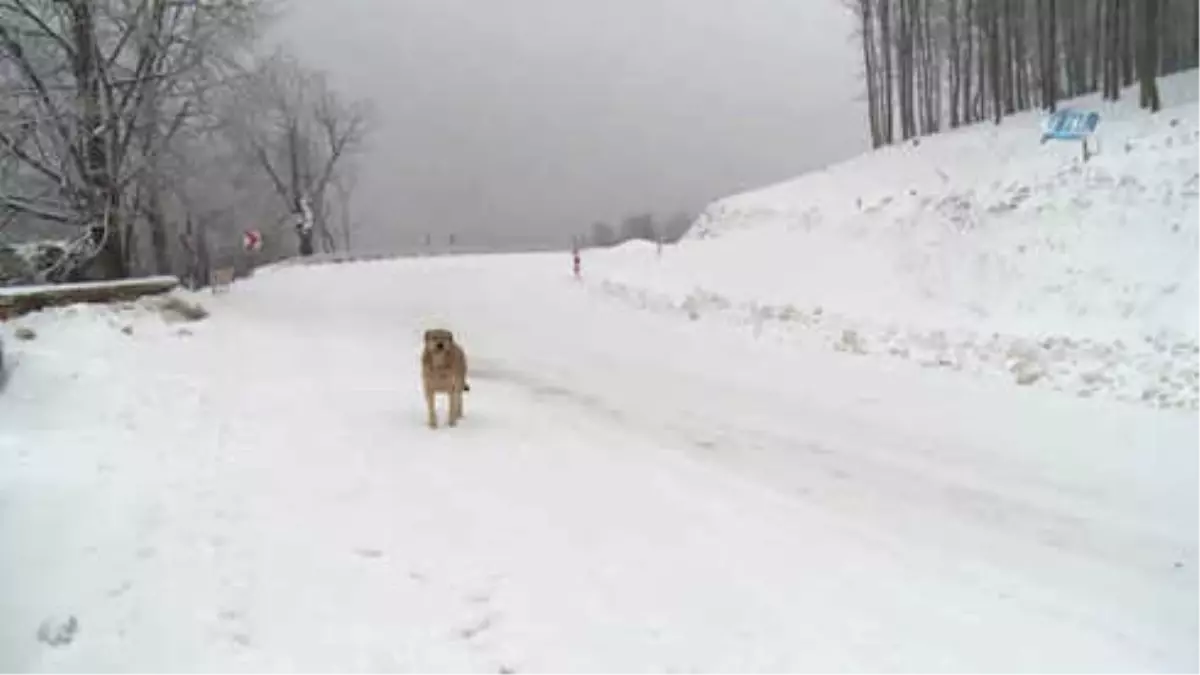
x=506 y=121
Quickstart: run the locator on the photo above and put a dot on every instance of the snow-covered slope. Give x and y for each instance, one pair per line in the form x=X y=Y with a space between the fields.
x=979 y=250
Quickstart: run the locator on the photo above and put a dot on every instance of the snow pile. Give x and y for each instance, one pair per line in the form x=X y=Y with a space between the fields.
x=100 y=326
x=25 y=263
x=979 y=250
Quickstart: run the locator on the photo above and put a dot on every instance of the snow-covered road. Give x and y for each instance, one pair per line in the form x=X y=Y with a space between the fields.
x=628 y=491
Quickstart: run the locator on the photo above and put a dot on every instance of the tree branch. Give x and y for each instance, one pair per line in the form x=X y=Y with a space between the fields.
x=28 y=13
x=8 y=43
x=20 y=205
x=261 y=154
x=9 y=144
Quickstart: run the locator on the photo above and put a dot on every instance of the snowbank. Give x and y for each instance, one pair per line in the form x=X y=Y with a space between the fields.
x=979 y=250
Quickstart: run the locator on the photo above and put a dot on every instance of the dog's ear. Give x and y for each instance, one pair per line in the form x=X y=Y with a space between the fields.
x=428 y=335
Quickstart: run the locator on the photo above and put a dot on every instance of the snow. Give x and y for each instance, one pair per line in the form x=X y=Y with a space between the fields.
x=629 y=489
x=979 y=250
x=257 y=491
x=34 y=289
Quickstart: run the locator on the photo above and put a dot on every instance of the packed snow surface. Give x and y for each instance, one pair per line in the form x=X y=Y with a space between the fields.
x=628 y=491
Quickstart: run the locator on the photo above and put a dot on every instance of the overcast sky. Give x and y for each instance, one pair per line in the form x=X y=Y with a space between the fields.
x=511 y=118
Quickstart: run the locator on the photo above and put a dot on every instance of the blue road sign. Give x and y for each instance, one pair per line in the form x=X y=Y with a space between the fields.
x=1070 y=125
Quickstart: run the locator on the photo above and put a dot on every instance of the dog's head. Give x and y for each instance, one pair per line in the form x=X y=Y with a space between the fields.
x=438 y=341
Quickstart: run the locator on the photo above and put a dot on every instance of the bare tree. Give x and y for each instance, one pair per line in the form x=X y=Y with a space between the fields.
x=93 y=91
x=300 y=134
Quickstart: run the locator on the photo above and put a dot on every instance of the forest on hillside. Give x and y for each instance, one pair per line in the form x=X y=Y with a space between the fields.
x=935 y=64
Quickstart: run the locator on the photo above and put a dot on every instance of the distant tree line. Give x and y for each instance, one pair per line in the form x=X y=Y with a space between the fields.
x=638 y=226
x=929 y=63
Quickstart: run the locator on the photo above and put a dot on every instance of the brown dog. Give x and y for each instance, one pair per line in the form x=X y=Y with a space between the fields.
x=443 y=371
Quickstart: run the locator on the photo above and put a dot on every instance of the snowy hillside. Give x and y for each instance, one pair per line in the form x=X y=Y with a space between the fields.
x=978 y=250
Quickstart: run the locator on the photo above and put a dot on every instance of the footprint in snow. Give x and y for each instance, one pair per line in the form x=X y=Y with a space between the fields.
x=475 y=629
x=57 y=631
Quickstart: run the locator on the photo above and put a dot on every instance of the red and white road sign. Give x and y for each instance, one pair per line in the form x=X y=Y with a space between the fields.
x=252 y=240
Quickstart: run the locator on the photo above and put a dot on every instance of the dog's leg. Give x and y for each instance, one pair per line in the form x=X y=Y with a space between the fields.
x=431 y=408
x=455 y=405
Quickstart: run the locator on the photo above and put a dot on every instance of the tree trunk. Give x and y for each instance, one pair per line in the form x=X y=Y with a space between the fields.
x=104 y=200
x=954 y=62
x=904 y=58
x=1049 y=55
x=1169 y=53
x=1195 y=35
x=1020 y=58
x=933 y=74
x=968 y=59
x=994 y=57
x=158 y=232
x=1148 y=58
x=867 y=20
x=1009 y=64
x=1072 y=28
x=1127 y=33
x=885 y=29
x=979 y=103
x=930 y=79
x=1097 y=66
x=203 y=253
x=1112 y=83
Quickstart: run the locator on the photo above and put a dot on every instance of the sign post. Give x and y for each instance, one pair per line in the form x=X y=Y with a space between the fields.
x=1069 y=124
x=575 y=261
x=252 y=242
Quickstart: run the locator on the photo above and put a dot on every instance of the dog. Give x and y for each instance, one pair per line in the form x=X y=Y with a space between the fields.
x=443 y=371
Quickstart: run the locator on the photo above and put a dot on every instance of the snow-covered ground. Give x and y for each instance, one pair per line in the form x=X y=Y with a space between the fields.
x=978 y=251
x=628 y=491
